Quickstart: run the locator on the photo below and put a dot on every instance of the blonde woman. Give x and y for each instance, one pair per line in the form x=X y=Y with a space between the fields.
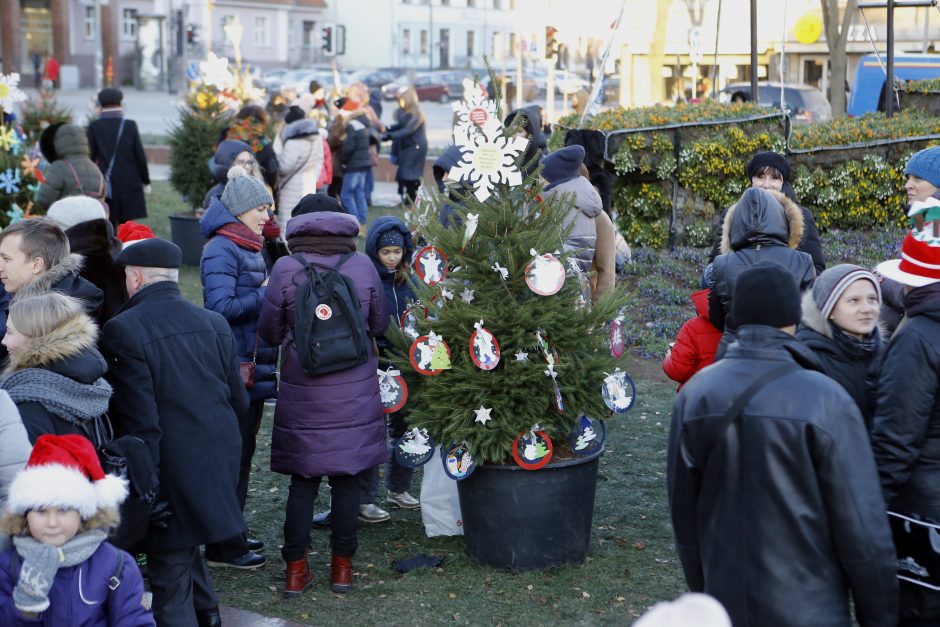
x=409 y=144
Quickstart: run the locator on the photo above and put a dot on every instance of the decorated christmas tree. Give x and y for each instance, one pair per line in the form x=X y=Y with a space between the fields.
x=20 y=159
x=506 y=356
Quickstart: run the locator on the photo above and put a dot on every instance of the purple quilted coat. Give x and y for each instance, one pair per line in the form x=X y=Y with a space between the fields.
x=331 y=424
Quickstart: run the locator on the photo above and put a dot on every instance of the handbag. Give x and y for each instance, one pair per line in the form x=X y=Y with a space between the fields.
x=247 y=368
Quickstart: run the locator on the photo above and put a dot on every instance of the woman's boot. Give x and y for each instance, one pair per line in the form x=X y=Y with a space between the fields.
x=298 y=578
x=340 y=573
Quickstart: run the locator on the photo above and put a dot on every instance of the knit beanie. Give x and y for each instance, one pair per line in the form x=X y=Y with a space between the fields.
x=769 y=159
x=562 y=165
x=830 y=284
x=243 y=192
x=766 y=294
x=314 y=203
x=293 y=114
x=63 y=471
x=391 y=237
x=926 y=165
x=73 y=210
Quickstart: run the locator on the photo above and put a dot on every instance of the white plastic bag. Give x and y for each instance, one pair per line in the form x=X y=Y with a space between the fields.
x=440 y=505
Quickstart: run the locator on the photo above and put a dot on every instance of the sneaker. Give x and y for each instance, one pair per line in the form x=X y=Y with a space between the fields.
x=372 y=514
x=323 y=520
x=403 y=500
x=248 y=561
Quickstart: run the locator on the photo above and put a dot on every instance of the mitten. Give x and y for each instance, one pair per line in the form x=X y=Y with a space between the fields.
x=31 y=593
x=271 y=230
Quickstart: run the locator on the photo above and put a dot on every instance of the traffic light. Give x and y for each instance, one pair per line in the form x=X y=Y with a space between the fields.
x=328 y=33
x=192 y=34
x=551 y=46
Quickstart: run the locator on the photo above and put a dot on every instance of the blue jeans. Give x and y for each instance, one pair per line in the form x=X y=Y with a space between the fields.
x=370 y=183
x=353 y=195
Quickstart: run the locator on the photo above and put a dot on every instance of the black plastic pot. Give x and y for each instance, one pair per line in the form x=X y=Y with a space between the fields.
x=184 y=232
x=516 y=519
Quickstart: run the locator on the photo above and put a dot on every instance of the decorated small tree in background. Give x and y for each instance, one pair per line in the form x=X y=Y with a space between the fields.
x=20 y=173
x=510 y=353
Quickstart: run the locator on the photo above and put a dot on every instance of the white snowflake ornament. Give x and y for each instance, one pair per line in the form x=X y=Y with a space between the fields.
x=10 y=93
x=467 y=295
x=472 y=112
x=488 y=159
x=216 y=73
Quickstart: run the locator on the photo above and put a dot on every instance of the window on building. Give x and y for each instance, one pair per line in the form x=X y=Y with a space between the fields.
x=90 y=22
x=406 y=41
x=129 y=24
x=471 y=43
x=308 y=30
x=262 y=32
x=512 y=45
x=423 y=43
x=497 y=4
x=471 y=4
x=445 y=3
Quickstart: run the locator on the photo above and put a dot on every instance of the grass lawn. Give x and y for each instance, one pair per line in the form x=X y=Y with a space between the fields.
x=631 y=563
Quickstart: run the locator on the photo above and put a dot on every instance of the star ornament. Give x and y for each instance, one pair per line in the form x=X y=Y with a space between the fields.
x=10 y=92
x=483 y=415
x=487 y=159
x=215 y=72
x=522 y=356
x=467 y=295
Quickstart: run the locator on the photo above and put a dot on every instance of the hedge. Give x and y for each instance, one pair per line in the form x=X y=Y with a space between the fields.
x=678 y=167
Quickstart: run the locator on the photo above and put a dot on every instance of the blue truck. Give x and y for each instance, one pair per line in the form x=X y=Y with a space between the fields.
x=869 y=87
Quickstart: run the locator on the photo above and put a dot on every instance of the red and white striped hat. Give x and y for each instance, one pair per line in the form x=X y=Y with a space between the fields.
x=919 y=264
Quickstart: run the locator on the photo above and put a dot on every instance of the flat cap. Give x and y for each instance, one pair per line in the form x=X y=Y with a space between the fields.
x=152 y=253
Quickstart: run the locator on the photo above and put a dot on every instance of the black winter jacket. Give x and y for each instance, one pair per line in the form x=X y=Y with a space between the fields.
x=905 y=434
x=355 y=154
x=781 y=516
x=855 y=370
x=762 y=226
x=130 y=172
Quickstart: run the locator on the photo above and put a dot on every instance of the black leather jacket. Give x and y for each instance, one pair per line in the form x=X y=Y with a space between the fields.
x=782 y=516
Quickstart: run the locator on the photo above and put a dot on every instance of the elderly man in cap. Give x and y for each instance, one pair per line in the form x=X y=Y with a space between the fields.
x=175 y=373
x=116 y=147
x=772 y=485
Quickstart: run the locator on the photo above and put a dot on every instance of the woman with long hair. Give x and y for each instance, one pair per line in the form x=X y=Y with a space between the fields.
x=409 y=144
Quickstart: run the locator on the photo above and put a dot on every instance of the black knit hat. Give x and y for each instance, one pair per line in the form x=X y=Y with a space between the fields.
x=151 y=253
x=110 y=97
x=769 y=159
x=312 y=203
x=294 y=113
x=766 y=294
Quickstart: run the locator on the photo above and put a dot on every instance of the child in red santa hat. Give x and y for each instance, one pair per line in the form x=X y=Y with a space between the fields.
x=61 y=570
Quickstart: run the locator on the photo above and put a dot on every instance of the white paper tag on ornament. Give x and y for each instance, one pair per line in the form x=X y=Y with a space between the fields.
x=545 y=275
x=618 y=392
x=484 y=348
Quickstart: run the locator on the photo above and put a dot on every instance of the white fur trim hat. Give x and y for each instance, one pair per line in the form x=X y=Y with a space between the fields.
x=63 y=471
x=689 y=610
x=73 y=210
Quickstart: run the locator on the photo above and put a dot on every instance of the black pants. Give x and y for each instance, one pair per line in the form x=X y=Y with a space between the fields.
x=408 y=190
x=180 y=585
x=227 y=550
x=397 y=477
x=343 y=520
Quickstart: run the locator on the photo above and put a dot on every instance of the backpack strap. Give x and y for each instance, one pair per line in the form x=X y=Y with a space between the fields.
x=115 y=579
x=718 y=431
x=78 y=181
x=117 y=143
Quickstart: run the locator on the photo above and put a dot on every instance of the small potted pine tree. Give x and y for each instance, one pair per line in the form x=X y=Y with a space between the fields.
x=510 y=367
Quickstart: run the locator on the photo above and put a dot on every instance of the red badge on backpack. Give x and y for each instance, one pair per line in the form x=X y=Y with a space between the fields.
x=324 y=312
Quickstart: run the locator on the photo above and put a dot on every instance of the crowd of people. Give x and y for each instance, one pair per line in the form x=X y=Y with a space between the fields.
x=800 y=419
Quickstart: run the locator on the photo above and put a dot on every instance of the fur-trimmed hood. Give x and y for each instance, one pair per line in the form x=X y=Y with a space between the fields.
x=69 y=340
x=762 y=217
x=71 y=265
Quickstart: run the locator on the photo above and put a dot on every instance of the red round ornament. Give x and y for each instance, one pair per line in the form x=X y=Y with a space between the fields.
x=527 y=453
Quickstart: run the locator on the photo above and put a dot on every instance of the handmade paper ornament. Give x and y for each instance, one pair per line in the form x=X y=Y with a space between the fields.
x=617 y=346
x=488 y=158
x=393 y=391
x=429 y=355
x=475 y=110
x=409 y=319
x=15 y=213
x=545 y=275
x=483 y=415
x=557 y=399
x=484 y=349
x=545 y=350
x=431 y=265
x=522 y=356
x=469 y=228
x=10 y=92
x=618 y=391
x=458 y=461
x=442 y=299
x=414 y=448
x=587 y=436
x=503 y=272
x=10 y=181
x=467 y=295
x=532 y=450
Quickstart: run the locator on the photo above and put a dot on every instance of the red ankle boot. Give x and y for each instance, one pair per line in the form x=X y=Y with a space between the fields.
x=298 y=578
x=341 y=573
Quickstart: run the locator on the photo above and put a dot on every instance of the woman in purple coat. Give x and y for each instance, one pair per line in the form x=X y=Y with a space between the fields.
x=329 y=425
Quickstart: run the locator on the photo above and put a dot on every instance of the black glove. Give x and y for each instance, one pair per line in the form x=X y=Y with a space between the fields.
x=160 y=513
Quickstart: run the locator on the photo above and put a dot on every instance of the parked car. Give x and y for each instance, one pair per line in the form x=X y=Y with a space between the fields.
x=431 y=87
x=375 y=78
x=454 y=80
x=868 y=89
x=805 y=103
x=530 y=89
x=390 y=90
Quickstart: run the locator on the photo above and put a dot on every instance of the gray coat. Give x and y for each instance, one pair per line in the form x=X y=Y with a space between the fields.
x=14 y=445
x=71 y=146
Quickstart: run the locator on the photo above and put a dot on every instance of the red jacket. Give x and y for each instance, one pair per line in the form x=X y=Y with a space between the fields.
x=696 y=345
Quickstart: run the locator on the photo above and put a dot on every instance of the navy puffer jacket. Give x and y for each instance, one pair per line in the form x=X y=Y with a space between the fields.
x=397 y=295
x=232 y=278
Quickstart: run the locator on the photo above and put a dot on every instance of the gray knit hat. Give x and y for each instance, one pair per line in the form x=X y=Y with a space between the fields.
x=243 y=192
x=830 y=284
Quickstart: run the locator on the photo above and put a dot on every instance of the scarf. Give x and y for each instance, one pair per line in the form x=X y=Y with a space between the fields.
x=74 y=402
x=250 y=131
x=861 y=349
x=921 y=299
x=321 y=244
x=41 y=562
x=241 y=235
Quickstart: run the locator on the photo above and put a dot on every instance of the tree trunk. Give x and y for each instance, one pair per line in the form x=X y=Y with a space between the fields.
x=657 y=51
x=837 y=32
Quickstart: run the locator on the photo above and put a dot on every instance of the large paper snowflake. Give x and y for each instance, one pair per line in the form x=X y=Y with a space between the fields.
x=488 y=159
x=10 y=92
x=216 y=73
x=8 y=138
x=10 y=181
x=473 y=111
